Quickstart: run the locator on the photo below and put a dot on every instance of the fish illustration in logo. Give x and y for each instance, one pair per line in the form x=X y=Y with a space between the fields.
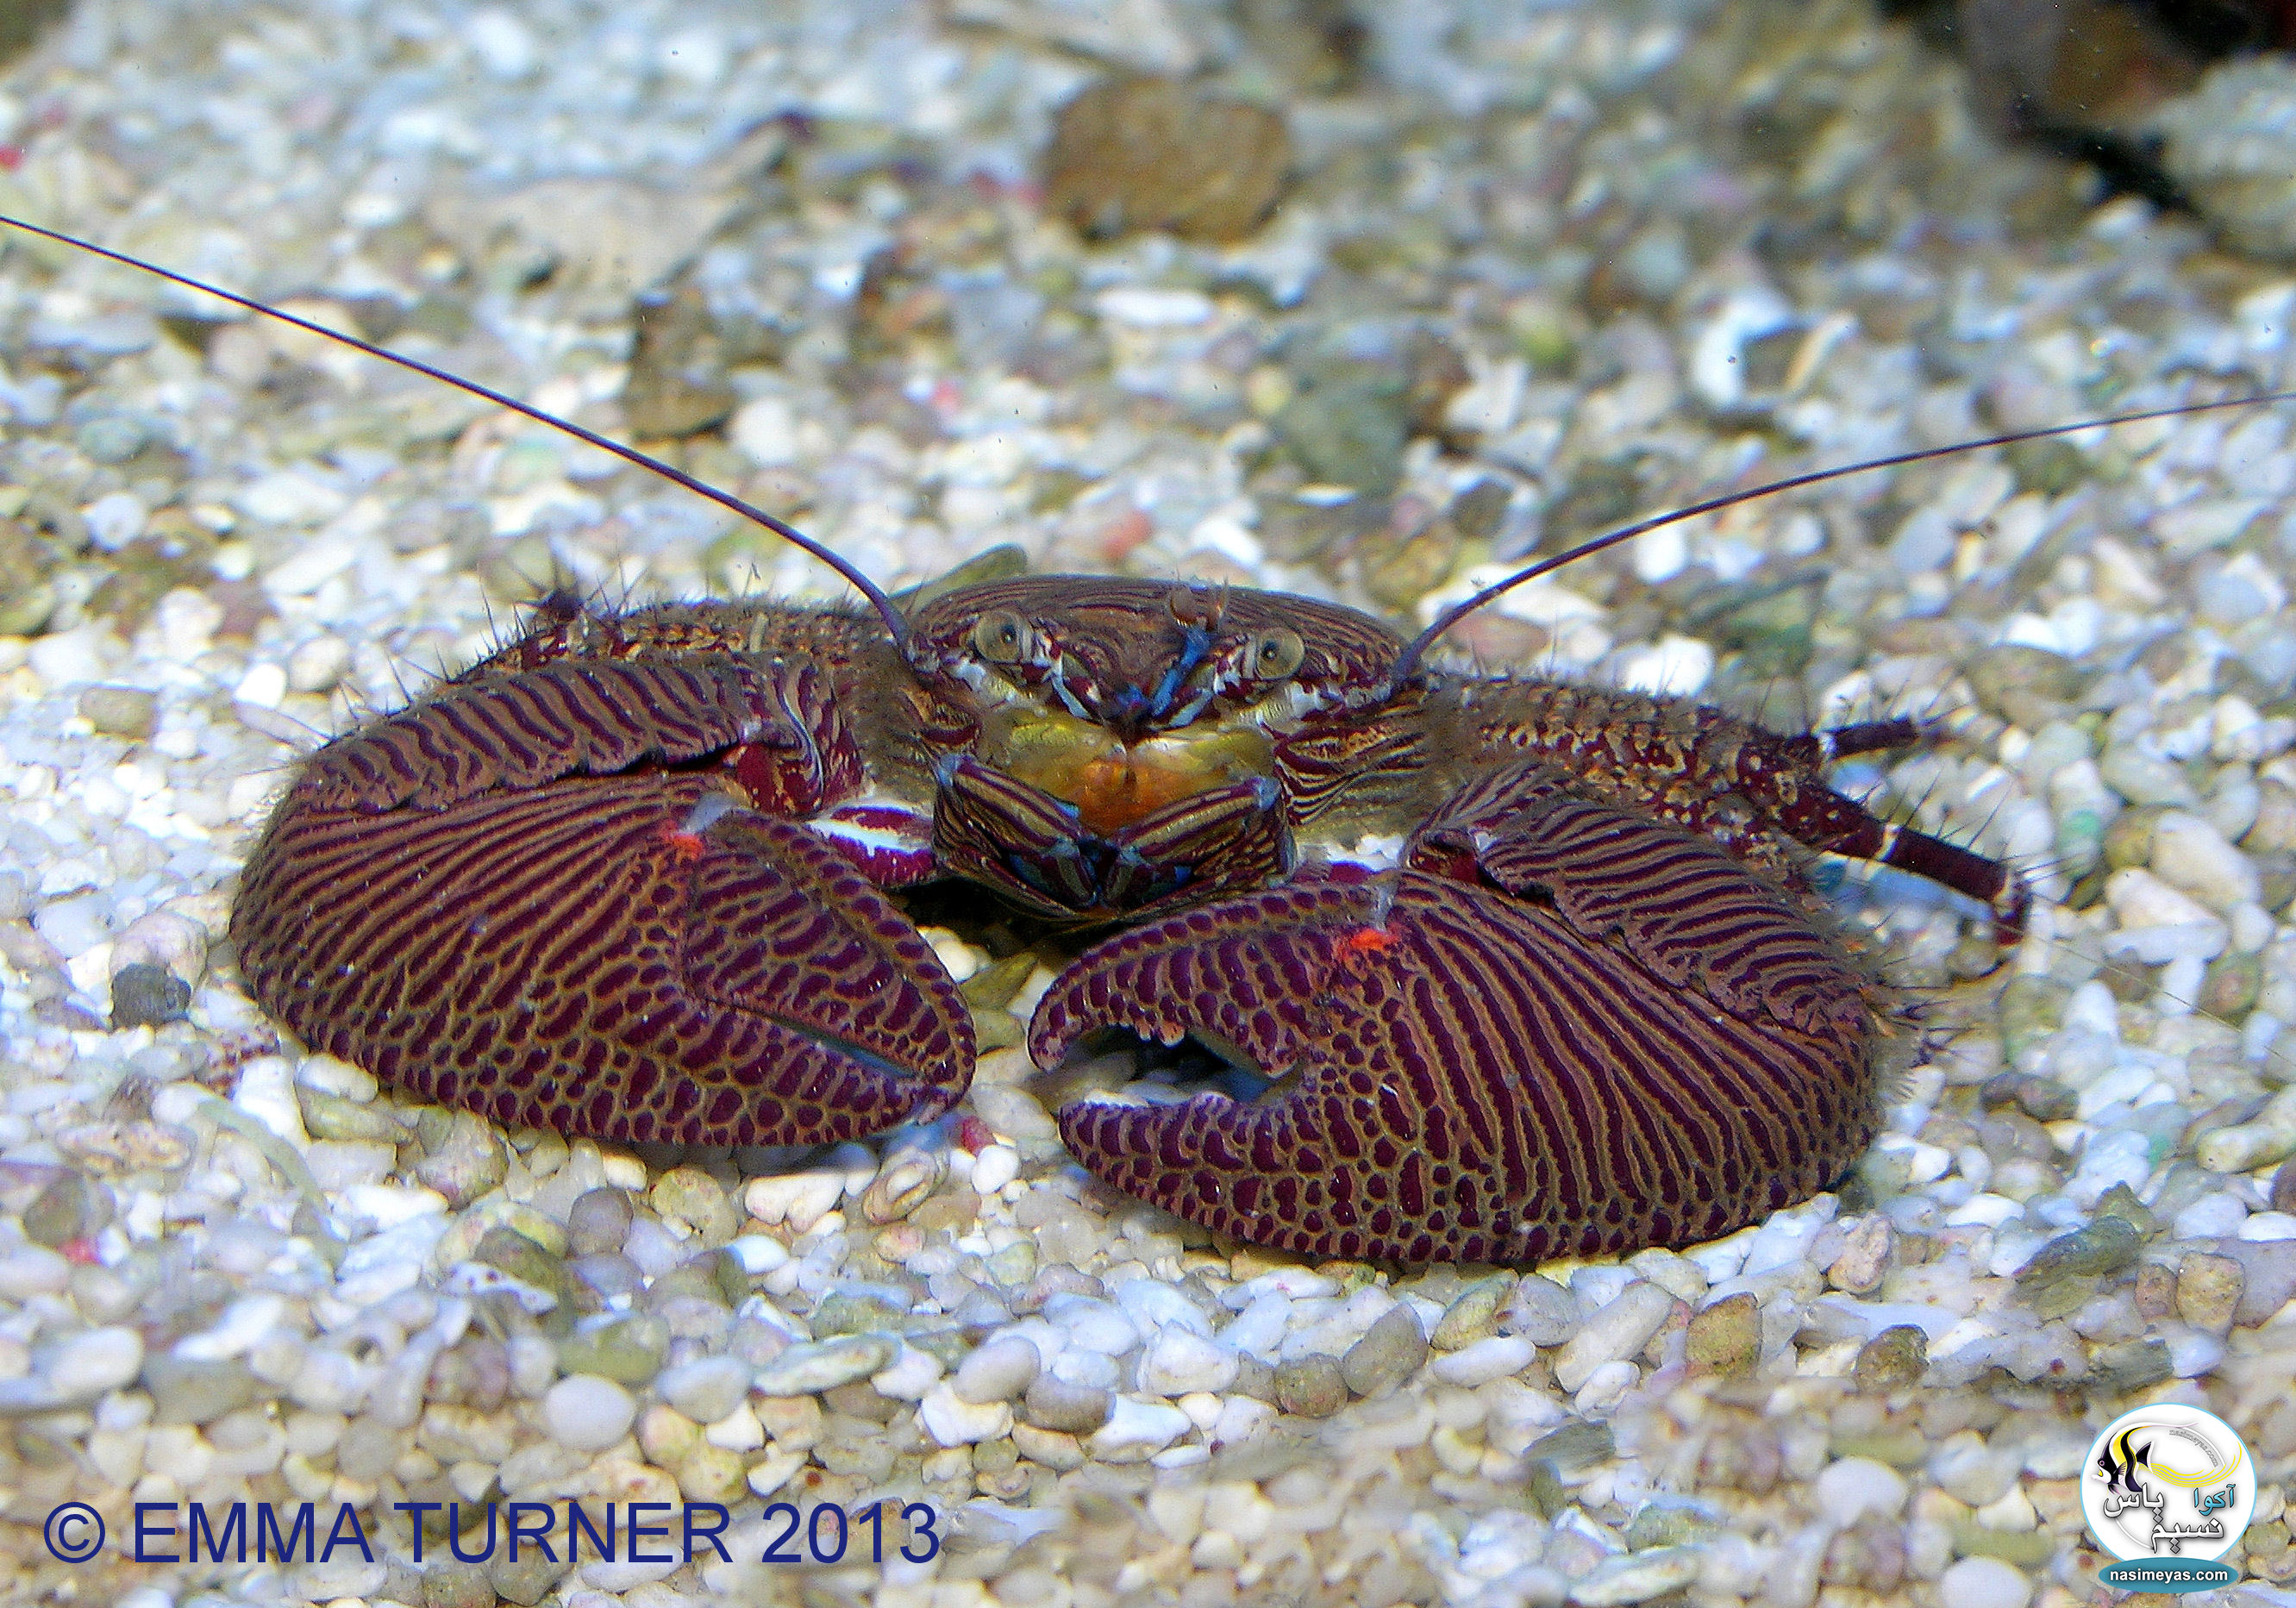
x=2120 y=1470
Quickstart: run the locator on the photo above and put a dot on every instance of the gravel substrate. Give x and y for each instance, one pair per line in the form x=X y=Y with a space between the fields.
x=1538 y=266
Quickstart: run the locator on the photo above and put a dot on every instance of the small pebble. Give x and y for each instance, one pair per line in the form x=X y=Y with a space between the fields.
x=1636 y=1577
x=1896 y=1358
x=121 y=711
x=72 y=1208
x=1000 y=1370
x=1850 y=1487
x=94 y=1362
x=1542 y=1312
x=598 y=1222
x=994 y=1167
x=1865 y=1256
x=587 y=1413
x=1970 y=1472
x=1389 y=1352
x=706 y=1388
x=913 y=1373
x=628 y=1349
x=1055 y=1403
x=27 y=1271
x=1473 y=1314
x=2189 y=853
x=147 y=995
x=809 y=1368
x=952 y=1421
x=1493 y=1357
x=690 y=1196
x=1179 y=1363
x=1622 y=1327
x=1984 y=1583
x=1136 y=1428
x=196 y=1391
x=1312 y=1386
x=2209 y=1289
x=465 y=1160
x=1726 y=1338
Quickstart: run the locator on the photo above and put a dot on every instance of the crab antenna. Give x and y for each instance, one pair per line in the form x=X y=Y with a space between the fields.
x=886 y=610
x=1407 y=662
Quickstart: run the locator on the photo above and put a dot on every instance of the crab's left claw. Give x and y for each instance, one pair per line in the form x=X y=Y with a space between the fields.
x=1561 y=1030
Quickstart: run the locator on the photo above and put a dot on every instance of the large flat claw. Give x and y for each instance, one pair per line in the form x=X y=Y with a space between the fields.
x=572 y=957
x=1465 y=1077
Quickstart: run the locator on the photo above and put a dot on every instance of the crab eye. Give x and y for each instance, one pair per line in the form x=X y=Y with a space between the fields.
x=1003 y=638
x=1272 y=655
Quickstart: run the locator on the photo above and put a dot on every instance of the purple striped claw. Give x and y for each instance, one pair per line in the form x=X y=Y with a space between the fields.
x=1561 y=1029
x=457 y=901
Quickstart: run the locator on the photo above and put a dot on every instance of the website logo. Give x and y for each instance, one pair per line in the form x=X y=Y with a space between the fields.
x=2168 y=1490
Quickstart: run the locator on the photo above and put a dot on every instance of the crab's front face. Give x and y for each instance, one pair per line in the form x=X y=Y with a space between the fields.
x=1121 y=697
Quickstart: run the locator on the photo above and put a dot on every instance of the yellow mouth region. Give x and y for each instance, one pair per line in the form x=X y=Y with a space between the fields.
x=1114 y=784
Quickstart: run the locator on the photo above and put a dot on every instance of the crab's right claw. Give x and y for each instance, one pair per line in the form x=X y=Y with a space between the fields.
x=627 y=957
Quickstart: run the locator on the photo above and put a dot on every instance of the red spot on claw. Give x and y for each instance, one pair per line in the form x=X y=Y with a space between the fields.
x=686 y=846
x=1367 y=940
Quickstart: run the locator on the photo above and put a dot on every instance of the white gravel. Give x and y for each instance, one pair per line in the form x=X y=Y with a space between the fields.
x=1675 y=245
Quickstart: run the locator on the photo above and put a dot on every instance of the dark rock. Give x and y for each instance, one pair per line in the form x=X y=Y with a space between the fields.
x=1896 y=1358
x=2106 y=1247
x=145 y=996
x=1347 y=431
x=1053 y=1403
x=196 y=1389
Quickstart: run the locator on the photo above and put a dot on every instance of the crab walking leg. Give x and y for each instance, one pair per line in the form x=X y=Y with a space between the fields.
x=500 y=898
x=1562 y=1029
x=1702 y=768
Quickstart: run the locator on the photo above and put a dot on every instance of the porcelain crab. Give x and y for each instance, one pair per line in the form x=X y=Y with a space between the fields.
x=1534 y=968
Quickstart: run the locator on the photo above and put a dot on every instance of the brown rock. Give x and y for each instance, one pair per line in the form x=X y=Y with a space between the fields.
x=1130 y=154
x=1311 y=1386
x=1726 y=1337
x=2209 y=1289
x=1892 y=1359
x=1865 y=1256
x=2156 y=1290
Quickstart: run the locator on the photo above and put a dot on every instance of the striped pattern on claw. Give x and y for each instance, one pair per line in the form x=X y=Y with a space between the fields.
x=574 y=717
x=630 y=957
x=1467 y=1074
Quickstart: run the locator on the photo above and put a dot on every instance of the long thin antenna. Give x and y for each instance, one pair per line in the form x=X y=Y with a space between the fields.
x=894 y=622
x=1407 y=662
